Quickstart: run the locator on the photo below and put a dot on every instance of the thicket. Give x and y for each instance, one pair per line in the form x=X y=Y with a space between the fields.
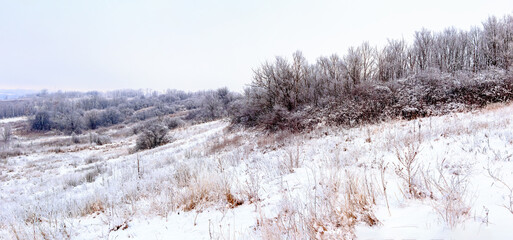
x=438 y=73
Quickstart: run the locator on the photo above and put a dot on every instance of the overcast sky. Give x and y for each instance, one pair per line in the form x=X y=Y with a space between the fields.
x=195 y=45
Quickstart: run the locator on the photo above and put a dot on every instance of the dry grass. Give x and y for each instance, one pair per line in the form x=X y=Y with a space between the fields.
x=452 y=202
x=232 y=200
x=407 y=167
x=57 y=142
x=10 y=152
x=274 y=140
x=251 y=187
x=508 y=186
x=292 y=159
x=331 y=212
x=182 y=175
x=203 y=188
x=92 y=159
x=494 y=107
x=93 y=206
x=223 y=143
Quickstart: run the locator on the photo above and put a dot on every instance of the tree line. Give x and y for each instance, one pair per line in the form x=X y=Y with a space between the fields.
x=436 y=72
x=73 y=112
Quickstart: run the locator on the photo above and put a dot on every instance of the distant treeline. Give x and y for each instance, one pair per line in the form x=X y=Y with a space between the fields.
x=15 y=108
x=438 y=72
x=73 y=112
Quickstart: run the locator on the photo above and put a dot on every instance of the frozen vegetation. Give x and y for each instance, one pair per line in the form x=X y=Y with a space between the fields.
x=411 y=141
x=431 y=178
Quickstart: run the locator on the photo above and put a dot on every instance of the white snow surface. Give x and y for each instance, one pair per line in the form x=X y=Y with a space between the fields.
x=458 y=155
x=10 y=120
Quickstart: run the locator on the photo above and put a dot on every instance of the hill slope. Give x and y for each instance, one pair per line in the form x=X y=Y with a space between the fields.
x=431 y=178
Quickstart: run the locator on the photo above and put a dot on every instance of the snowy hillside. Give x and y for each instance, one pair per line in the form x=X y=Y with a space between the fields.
x=447 y=177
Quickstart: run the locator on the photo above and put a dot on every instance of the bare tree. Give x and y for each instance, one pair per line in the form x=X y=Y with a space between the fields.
x=353 y=61
x=476 y=58
x=300 y=74
x=422 y=48
x=264 y=84
x=332 y=74
x=367 y=54
x=507 y=36
x=391 y=62
x=6 y=133
x=492 y=42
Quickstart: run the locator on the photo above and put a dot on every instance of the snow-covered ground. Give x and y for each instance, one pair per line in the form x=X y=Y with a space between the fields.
x=447 y=177
x=10 y=120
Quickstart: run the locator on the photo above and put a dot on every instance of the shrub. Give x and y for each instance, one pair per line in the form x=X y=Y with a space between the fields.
x=111 y=116
x=75 y=138
x=152 y=135
x=91 y=175
x=174 y=122
x=99 y=139
x=69 y=122
x=92 y=159
x=41 y=121
x=92 y=119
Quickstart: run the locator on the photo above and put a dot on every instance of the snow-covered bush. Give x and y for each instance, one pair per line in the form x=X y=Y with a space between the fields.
x=152 y=135
x=174 y=122
x=99 y=139
x=41 y=121
x=75 y=138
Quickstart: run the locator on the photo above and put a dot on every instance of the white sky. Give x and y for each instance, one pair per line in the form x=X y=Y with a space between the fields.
x=195 y=45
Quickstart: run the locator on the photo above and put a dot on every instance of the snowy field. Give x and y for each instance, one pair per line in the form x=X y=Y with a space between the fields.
x=447 y=177
x=10 y=120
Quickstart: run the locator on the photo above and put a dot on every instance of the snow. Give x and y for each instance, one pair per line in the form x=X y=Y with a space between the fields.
x=11 y=120
x=297 y=181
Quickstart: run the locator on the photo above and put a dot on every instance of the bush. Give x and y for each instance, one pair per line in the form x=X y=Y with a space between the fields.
x=152 y=135
x=92 y=159
x=174 y=122
x=111 y=116
x=75 y=138
x=92 y=119
x=99 y=139
x=69 y=122
x=41 y=121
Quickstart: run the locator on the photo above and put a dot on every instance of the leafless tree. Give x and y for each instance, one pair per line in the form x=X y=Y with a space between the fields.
x=6 y=133
x=391 y=61
x=332 y=74
x=367 y=54
x=422 y=49
x=353 y=61
x=492 y=42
